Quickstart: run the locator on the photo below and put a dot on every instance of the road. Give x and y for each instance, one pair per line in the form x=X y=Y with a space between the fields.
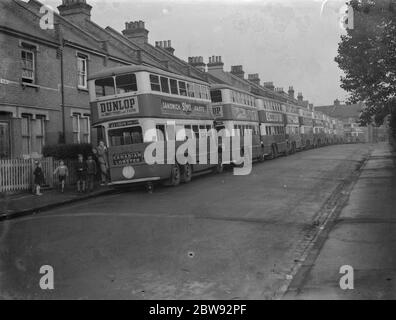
x=219 y=237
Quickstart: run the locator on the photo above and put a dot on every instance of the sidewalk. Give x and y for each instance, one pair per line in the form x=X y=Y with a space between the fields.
x=363 y=236
x=17 y=205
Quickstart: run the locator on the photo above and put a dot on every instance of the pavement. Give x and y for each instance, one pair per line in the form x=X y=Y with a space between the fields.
x=18 y=205
x=362 y=236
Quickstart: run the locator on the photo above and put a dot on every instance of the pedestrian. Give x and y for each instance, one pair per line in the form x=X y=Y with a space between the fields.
x=91 y=173
x=81 y=170
x=38 y=178
x=62 y=171
x=102 y=159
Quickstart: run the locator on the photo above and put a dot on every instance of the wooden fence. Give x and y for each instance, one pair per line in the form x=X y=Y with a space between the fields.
x=17 y=174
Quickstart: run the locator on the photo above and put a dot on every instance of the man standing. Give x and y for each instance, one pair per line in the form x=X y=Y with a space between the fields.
x=102 y=159
x=91 y=173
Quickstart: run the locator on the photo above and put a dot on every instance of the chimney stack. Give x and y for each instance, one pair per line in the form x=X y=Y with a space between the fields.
x=198 y=63
x=136 y=31
x=238 y=71
x=279 y=90
x=269 y=85
x=291 y=92
x=77 y=11
x=255 y=78
x=300 y=97
x=165 y=45
x=215 y=63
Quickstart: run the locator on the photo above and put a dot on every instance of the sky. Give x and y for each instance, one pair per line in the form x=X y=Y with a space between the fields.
x=289 y=42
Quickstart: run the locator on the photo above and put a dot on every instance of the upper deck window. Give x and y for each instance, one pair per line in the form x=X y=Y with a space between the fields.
x=164 y=85
x=126 y=83
x=182 y=88
x=155 y=83
x=104 y=87
x=216 y=96
x=190 y=89
x=173 y=86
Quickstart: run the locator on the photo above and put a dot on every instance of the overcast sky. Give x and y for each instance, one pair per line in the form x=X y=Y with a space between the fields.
x=289 y=42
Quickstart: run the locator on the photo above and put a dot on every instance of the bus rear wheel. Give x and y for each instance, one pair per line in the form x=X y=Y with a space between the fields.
x=261 y=156
x=187 y=173
x=274 y=152
x=175 y=177
x=220 y=166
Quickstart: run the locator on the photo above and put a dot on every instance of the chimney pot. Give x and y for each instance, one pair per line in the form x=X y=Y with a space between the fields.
x=136 y=31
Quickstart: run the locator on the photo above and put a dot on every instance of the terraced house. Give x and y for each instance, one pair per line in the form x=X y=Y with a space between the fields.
x=44 y=97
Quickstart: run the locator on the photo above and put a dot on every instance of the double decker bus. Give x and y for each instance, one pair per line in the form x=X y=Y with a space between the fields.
x=137 y=105
x=272 y=127
x=235 y=112
x=306 y=128
x=292 y=125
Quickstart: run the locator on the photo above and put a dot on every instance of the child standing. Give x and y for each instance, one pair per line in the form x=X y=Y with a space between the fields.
x=81 y=169
x=63 y=172
x=38 y=178
x=91 y=173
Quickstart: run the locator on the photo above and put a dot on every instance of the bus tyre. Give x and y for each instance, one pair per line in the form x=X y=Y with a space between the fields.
x=187 y=173
x=220 y=166
x=274 y=153
x=262 y=156
x=175 y=177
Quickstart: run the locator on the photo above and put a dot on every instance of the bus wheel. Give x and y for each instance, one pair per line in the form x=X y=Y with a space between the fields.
x=261 y=156
x=187 y=173
x=175 y=176
x=220 y=166
x=274 y=153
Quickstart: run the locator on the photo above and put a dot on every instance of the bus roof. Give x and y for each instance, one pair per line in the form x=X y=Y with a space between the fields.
x=108 y=72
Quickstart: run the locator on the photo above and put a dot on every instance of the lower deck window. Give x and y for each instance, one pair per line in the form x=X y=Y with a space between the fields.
x=126 y=136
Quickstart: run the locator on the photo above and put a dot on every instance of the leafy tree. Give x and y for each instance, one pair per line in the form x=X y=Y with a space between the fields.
x=367 y=55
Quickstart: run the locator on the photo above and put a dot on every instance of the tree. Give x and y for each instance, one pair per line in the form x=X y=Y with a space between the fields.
x=367 y=56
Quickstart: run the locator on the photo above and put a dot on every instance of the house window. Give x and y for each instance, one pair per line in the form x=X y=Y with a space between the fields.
x=26 y=131
x=4 y=140
x=28 y=65
x=82 y=67
x=40 y=134
x=81 y=128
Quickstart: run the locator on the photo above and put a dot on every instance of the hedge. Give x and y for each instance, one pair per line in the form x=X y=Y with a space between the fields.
x=67 y=151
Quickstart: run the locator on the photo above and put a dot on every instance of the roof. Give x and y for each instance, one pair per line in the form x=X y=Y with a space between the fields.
x=138 y=68
x=341 y=111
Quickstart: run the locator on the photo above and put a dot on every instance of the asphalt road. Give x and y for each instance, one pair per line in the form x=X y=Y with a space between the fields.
x=219 y=237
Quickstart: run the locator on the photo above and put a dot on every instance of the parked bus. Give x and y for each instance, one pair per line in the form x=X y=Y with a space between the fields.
x=292 y=125
x=139 y=105
x=306 y=128
x=272 y=127
x=235 y=112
